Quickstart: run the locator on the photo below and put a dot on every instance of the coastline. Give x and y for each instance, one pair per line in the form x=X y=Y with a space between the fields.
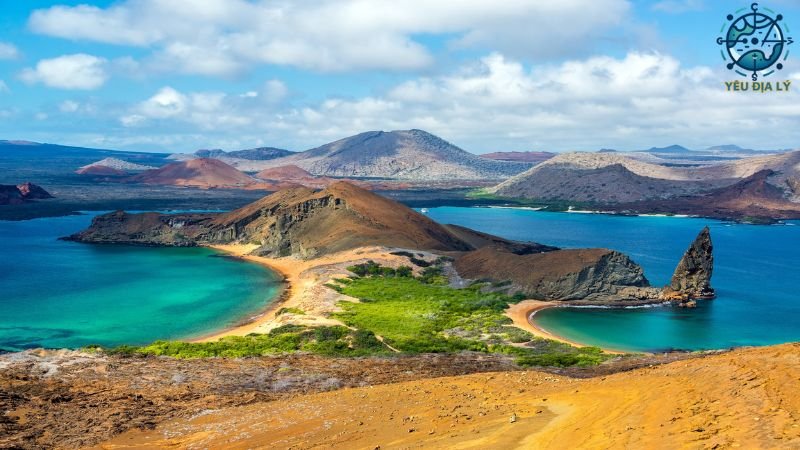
x=269 y=311
x=263 y=321
x=302 y=283
x=303 y=288
x=522 y=312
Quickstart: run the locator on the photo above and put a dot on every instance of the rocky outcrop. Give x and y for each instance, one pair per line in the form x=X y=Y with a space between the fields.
x=30 y=191
x=152 y=229
x=21 y=193
x=597 y=275
x=692 y=277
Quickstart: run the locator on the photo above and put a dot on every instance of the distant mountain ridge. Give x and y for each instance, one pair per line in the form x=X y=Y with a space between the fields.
x=620 y=182
x=529 y=157
x=413 y=155
x=253 y=154
x=726 y=147
x=669 y=149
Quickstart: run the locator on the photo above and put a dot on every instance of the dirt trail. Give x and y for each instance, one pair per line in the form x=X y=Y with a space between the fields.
x=746 y=399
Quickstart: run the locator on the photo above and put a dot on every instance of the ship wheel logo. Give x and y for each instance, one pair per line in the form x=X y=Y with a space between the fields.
x=755 y=44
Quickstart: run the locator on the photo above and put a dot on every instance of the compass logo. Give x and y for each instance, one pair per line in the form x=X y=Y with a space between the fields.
x=755 y=45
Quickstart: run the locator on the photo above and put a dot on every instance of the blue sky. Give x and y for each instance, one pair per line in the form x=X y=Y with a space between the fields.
x=177 y=75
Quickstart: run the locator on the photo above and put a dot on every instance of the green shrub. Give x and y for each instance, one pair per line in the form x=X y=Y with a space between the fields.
x=405 y=272
x=330 y=341
x=419 y=262
x=418 y=317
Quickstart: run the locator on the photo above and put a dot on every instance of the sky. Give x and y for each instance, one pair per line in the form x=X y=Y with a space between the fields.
x=486 y=75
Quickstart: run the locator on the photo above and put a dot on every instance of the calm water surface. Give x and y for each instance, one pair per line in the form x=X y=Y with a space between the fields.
x=64 y=294
x=756 y=275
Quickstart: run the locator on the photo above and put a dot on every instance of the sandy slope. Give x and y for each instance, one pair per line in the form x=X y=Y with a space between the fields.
x=742 y=399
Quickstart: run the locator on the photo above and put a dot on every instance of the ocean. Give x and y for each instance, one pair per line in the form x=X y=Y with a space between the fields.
x=756 y=276
x=59 y=294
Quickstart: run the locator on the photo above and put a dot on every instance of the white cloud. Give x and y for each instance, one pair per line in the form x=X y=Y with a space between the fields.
x=637 y=101
x=8 y=51
x=275 y=91
x=166 y=103
x=4 y=87
x=679 y=6
x=206 y=110
x=69 y=106
x=79 y=71
x=225 y=37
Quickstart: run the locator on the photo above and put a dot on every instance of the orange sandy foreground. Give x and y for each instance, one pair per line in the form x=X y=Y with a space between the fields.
x=747 y=398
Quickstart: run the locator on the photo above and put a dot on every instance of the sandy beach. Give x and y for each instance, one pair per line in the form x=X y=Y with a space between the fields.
x=521 y=312
x=305 y=288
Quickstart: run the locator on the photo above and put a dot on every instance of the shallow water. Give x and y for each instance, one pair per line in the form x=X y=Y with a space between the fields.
x=64 y=294
x=757 y=277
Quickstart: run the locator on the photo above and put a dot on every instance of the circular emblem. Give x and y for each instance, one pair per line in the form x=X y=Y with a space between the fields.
x=755 y=43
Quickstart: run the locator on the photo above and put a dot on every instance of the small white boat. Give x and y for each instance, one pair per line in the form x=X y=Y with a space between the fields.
x=424 y=210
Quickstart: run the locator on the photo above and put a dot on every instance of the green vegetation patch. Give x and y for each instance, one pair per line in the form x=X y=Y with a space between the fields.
x=327 y=340
x=420 y=315
x=295 y=311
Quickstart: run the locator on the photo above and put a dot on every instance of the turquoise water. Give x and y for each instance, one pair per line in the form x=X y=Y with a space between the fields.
x=63 y=294
x=756 y=275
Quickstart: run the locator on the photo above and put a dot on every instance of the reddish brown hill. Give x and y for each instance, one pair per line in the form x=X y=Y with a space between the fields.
x=342 y=216
x=283 y=173
x=291 y=175
x=200 y=172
